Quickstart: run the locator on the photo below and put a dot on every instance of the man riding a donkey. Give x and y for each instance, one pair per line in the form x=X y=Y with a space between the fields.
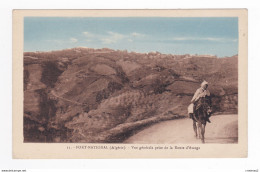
x=195 y=103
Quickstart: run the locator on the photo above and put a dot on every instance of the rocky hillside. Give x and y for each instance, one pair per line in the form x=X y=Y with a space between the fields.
x=102 y=95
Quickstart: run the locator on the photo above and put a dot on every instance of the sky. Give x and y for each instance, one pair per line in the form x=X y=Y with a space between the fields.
x=168 y=35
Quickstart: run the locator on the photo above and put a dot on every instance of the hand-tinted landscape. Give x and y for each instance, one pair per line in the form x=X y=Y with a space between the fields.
x=105 y=95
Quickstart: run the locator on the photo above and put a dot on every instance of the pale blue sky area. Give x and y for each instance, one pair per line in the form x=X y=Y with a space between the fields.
x=215 y=36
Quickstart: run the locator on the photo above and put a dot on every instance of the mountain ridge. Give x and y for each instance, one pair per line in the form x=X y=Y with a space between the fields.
x=83 y=94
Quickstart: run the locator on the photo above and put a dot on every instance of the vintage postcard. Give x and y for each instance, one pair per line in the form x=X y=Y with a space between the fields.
x=130 y=83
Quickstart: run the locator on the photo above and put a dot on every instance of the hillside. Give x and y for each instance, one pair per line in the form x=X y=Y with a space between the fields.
x=102 y=95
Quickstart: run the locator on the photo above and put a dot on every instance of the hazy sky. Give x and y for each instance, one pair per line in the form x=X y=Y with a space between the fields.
x=215 y=36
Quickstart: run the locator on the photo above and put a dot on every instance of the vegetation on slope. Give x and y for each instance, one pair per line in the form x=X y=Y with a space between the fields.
x=102 y=95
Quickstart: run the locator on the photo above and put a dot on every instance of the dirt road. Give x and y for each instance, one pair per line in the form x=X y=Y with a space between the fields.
x=222 y=129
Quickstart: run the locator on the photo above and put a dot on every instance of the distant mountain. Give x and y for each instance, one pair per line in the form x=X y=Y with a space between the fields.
x=102 y=95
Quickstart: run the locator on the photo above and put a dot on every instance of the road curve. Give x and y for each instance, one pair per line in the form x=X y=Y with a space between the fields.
x=222 y=129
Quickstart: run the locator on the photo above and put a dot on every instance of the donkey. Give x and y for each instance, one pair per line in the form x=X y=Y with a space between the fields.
x=202 y=110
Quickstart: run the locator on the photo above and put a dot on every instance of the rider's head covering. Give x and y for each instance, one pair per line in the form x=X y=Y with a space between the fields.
x=204 y=83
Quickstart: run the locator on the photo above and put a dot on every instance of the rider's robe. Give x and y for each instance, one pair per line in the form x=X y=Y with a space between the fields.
x=200 y=92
